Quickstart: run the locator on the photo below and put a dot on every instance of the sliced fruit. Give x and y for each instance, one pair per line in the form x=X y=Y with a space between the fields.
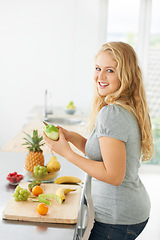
x=33 y=184
x=44 y=198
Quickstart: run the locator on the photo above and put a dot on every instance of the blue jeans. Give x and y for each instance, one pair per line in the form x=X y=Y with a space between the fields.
x=103 y=231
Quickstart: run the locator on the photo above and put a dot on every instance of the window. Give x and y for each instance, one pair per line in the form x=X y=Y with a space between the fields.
x=153 y=86
x=123 y=19
x=138 y=23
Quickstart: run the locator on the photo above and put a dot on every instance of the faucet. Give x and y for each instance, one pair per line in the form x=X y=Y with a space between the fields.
x=45 y=106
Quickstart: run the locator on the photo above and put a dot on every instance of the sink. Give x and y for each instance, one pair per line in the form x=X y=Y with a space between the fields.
x=64 y=121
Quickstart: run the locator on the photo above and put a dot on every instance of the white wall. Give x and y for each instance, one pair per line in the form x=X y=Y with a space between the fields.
x=44 y=44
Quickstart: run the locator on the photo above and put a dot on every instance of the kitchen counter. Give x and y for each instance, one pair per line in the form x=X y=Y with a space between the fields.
x=15 y=144
x=18 y=230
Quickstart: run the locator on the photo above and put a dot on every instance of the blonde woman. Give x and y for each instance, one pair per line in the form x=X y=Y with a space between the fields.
x=121 y=138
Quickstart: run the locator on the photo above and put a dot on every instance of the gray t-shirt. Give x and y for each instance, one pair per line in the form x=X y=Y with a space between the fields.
x=128 y=203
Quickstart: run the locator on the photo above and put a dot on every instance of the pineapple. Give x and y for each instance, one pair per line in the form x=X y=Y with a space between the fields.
x=35 y=156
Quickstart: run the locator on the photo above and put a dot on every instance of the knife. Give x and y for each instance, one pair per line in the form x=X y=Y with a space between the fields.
x=45 y=123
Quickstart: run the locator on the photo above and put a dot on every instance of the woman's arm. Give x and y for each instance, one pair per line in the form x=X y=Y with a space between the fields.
x=111 y=170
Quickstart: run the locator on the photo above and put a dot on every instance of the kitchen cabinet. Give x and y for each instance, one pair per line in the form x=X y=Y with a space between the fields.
x=10 y=229
x=86 y=213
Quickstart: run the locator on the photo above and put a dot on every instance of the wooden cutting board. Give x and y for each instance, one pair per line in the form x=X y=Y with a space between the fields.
x=67 y=212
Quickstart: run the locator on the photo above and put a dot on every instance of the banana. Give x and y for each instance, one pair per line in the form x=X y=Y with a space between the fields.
x=67 y=179
x=61 y=192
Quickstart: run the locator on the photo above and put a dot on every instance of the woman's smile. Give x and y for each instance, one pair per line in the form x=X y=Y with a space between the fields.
x=102 y=85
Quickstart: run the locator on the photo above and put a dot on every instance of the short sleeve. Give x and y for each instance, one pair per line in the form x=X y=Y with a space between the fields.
x=112 y=122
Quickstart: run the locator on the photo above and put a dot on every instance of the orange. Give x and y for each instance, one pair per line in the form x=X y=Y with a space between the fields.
x=36 y=190
x=42 y=208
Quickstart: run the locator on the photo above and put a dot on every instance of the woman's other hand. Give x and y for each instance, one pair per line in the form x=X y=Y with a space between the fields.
x=61 y=146
x=67 y=134
x=75 y=138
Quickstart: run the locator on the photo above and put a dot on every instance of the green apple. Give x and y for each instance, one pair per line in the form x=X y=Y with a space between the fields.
x=51 y=131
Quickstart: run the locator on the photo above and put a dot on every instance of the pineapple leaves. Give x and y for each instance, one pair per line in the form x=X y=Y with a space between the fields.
x=27 y=142
x=33 y=143
x=29 y=137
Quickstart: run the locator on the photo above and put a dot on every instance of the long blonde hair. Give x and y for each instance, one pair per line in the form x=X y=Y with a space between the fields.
x=130 y=95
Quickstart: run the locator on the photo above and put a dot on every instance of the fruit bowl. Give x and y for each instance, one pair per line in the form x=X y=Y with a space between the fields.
x=14 y=178
x=70 y=111
x=49 y=177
